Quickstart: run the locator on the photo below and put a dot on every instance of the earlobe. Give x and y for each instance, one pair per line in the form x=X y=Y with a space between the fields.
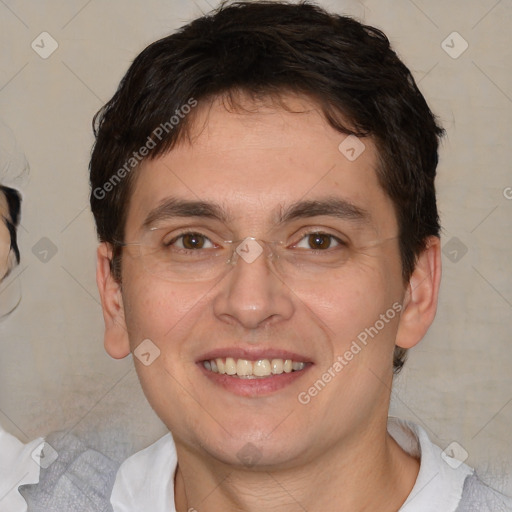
x=420 y=302
x=116 y=336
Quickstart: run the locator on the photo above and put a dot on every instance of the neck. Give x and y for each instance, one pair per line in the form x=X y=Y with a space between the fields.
x=370 y=472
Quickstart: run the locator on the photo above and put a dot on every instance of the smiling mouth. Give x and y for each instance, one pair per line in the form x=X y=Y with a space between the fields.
x=246 y=369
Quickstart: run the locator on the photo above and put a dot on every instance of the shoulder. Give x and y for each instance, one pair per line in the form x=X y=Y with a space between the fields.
x=159 y=458
x=146 y=479
x=76 y=477
x=18 y=467
x=479 y=497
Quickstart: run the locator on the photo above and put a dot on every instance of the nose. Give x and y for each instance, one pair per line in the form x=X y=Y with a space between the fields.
x=252 y=294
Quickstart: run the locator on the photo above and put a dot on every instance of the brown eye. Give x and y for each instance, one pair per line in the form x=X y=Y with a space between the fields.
x=192 y=241
x=319 y=241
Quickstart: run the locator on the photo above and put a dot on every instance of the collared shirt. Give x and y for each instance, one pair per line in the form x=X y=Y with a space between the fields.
x=145 y=481
x=19 y=465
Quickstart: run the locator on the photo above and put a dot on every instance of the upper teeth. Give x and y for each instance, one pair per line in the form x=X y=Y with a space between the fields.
x=250 y=369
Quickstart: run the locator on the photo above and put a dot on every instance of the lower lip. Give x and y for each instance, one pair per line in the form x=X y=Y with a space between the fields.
x=254 y=387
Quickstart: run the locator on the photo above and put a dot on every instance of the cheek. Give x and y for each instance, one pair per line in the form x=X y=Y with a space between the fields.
x=359 y=313
x=164 y=313
x=348 y=302
x=5 y=247
x=158 y=309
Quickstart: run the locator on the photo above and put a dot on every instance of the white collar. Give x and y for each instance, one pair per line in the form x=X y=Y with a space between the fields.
x=441 y=479
x=145 y=481
x=18 y=466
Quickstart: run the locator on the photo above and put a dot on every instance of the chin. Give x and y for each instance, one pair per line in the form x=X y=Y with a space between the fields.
x=255 y=445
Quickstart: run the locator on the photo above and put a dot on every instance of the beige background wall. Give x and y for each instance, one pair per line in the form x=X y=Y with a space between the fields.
x=53 y=371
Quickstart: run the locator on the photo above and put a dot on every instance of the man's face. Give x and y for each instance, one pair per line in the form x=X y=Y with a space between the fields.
x=274 y=176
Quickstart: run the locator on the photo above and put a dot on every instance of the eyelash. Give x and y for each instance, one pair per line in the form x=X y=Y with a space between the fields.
x=339 y=241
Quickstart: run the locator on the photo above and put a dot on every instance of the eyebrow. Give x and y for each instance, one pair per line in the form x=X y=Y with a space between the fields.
x=173 y=207
x=330 y=207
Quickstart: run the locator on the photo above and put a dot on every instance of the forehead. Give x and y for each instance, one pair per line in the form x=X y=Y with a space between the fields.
x=256 y=160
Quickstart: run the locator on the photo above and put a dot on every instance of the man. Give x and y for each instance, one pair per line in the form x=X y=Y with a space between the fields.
x=263 y=190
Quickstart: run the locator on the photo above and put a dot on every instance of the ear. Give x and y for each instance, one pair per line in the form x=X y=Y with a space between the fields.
x=116 y=339
x=420 y=302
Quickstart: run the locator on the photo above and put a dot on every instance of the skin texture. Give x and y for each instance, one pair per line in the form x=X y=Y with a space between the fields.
x=333 y=453
x=7 y=259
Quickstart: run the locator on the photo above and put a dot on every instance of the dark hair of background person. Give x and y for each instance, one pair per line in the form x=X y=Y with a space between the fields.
x=265 y=49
